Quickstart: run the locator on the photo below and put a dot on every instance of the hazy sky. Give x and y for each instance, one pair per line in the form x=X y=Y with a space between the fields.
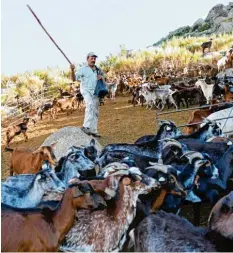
x=88 y=25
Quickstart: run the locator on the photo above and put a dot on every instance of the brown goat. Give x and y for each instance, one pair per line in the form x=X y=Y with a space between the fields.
x=221 y=216
x=195 y=117
x=26 y=161
x=229 y=56
x=220 y=224
x=105 y=230
x=37 y=230
x=221 y=139
x=14 y=130
x=100 y=186
x=228 y=94
x=63 y=104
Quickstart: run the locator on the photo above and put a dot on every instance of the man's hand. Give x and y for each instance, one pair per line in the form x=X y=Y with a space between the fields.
x=99 y=77
x=72 y=66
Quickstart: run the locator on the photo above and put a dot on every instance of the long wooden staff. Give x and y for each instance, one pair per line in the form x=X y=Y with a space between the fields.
x=48 y=33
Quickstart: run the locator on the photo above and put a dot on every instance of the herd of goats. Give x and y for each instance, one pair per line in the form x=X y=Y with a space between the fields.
x=127 y=197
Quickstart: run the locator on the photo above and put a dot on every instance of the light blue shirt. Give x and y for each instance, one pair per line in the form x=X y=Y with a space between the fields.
x=88 y=78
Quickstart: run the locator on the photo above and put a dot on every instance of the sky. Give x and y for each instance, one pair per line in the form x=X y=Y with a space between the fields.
x=80 y=27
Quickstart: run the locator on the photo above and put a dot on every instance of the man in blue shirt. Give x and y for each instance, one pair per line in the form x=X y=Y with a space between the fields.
x=88 y=76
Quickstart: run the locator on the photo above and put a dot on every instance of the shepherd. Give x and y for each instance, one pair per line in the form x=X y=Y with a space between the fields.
x=88 y=75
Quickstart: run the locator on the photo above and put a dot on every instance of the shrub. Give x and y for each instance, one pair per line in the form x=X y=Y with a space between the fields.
x=204 y=27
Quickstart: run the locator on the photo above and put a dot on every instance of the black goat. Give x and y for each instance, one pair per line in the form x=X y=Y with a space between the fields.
x=166 y=232
x=205 y=45
x=64 y=93
x=43 y=108
x=79 y=97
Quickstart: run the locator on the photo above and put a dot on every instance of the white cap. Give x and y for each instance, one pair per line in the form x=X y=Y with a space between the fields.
x=92 y=54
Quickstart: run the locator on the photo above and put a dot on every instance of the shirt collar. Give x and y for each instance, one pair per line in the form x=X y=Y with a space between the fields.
x=87 y=66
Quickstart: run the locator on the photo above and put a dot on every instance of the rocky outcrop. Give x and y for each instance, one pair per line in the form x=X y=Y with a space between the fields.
x=219 y=20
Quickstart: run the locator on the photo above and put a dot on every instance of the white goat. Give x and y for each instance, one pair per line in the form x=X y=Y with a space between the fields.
x=222 y=63
x=151 y=96
x=207 y=89
x=226 y=124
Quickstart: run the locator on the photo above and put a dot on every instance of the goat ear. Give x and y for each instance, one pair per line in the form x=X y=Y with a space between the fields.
x=39 y=150
x=74 y=180
x=126 y=181
x=53 y=145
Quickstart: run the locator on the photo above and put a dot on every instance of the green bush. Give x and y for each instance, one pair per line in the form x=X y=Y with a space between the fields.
x=204 y=27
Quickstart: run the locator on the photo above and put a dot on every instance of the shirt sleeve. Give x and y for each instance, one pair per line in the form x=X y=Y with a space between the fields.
x=79 y=74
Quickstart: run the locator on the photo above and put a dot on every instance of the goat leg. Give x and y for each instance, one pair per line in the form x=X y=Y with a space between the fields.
x=196 y=213
x=25 y=136
x=8 y=142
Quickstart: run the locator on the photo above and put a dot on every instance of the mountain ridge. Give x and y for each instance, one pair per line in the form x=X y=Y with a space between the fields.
x=218 y=21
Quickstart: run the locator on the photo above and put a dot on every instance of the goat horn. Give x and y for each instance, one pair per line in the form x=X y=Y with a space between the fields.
x=138 y=177
x=159 y=167
x=206 y=120
x=173 y=143
x=151 y=163
x=191 y=155
x=135 y=170
x=116 y=165
x=120 y=172
x=178 y=185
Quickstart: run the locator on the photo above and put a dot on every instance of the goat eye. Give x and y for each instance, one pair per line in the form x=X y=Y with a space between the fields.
x=168 y=128
x=43 y=177
x=72 y=157
x=172 y=180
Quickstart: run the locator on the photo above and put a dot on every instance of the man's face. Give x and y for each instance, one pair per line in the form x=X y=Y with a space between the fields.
x=91 y=60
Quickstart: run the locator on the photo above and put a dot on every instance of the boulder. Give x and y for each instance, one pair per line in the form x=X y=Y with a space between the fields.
x=229 y=6
x=225 y=27
x=218 y=10
x=218 y=21
x=200 y=21
x=67 y=137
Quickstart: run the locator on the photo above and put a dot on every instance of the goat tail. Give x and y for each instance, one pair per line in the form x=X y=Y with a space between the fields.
x=9 y=149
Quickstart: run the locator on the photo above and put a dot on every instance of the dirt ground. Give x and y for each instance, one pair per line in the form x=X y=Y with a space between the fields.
x=119 y=122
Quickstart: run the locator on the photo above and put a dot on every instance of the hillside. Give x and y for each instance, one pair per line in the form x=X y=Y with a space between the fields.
x=180 y=49
x=218 y=21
